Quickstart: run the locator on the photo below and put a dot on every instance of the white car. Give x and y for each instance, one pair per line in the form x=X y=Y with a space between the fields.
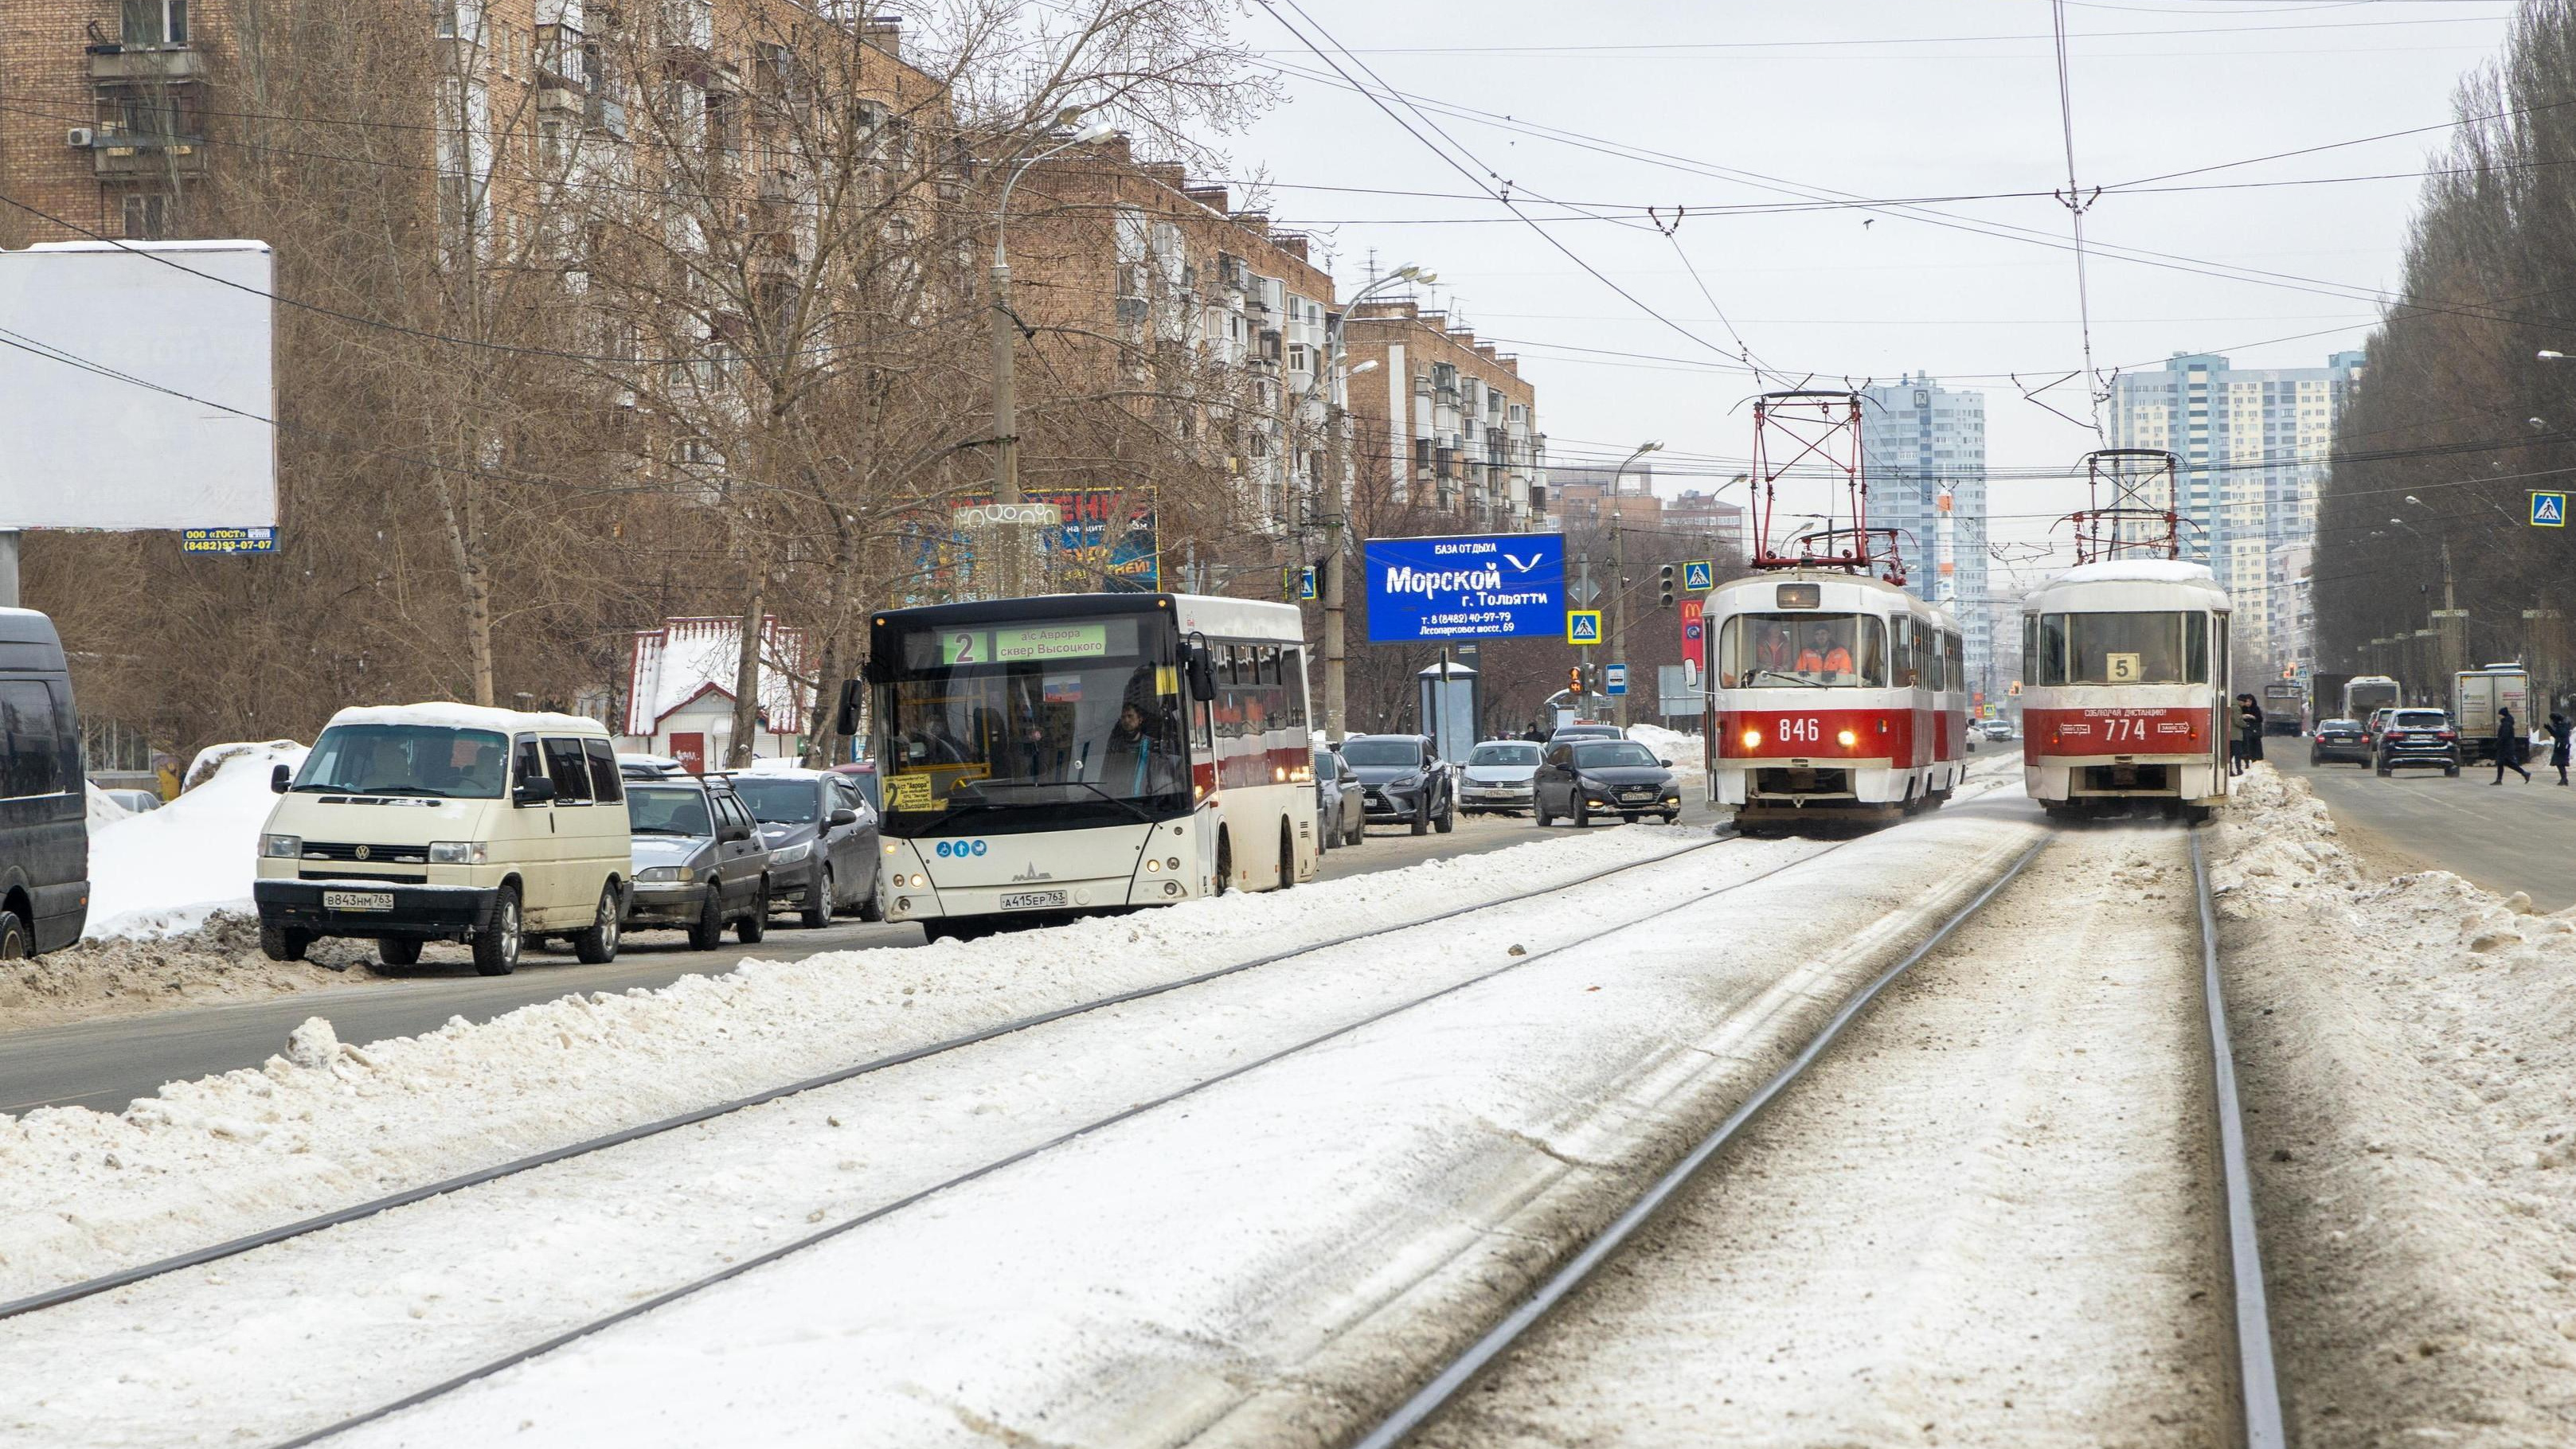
x=1498 y=777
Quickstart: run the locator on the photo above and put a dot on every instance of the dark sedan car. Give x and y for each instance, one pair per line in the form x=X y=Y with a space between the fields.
x=1404 y=781
x=2419 y=737
x=2338 y=739
x=822 y=839
x=1580 y=780
x=699 y=862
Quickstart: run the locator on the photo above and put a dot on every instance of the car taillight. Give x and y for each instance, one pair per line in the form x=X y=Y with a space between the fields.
x=2444 y=735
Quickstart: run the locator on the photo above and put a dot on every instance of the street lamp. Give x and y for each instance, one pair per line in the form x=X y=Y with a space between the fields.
x=1619 y=575
x=1006 y=427
x=1335 y=519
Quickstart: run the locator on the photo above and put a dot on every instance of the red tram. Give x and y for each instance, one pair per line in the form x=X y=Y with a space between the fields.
x=1834 y=694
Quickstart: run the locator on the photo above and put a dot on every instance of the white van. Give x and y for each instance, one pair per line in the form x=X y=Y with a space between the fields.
x=448 y=822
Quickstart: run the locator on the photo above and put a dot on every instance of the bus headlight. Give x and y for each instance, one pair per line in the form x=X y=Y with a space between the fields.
x=1848 y=739
x=1753 y=739
x=1153 y=866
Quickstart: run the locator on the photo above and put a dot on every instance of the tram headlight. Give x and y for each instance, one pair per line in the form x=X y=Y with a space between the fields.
x=1753 y=739
x=1848 y=739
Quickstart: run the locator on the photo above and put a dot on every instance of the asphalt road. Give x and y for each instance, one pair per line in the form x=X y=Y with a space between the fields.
x=2512 y=837
x=107 y=1063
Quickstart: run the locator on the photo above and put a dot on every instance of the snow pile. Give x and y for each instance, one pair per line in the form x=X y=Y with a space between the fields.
x=1689 y=753
x=169 y=869
x=220 y=960
x=81 y=1191
x=2409 y=1051
x=103 y=810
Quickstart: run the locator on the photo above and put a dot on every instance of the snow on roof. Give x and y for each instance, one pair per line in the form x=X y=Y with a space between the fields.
x=466 y=717
x=686 y=658
x=2138 y=571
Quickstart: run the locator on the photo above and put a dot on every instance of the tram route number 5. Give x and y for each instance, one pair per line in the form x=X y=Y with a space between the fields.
x=1799 y=729
x=2122 y=668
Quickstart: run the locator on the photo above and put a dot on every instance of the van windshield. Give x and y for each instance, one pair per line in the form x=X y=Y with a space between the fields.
x=438 y=761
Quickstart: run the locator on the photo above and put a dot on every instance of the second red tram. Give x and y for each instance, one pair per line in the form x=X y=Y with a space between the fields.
x=2124 y=688
x=1832 y=696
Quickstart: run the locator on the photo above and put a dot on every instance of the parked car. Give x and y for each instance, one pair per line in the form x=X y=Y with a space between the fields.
x=821 y=834
x=1404 y=781
x=2338 y=739
x=137 y=801
x=447 y=822
x=1341 y=815
x=1579 y=780
x=1587 y=732
x=2418 y=737
x=44 y=811
x=699 y=861
x=1996 y=729
x=871 y=787
x=1497 y=777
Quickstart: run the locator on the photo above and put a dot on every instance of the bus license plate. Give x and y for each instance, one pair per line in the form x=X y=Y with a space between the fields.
x=1032 y=900
x=358 y=900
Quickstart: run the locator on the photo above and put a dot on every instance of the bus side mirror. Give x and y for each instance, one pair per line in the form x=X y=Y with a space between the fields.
x=1202 y=674
x=278 y=778
x=847 y=721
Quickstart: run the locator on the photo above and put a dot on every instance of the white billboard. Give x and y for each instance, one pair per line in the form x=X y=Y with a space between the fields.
x=137 y=381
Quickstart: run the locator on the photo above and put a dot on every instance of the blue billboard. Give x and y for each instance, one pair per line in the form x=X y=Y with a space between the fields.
x=1484 y=586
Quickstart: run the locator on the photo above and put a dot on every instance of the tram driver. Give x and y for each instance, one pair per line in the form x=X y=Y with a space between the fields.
x=1825 y=654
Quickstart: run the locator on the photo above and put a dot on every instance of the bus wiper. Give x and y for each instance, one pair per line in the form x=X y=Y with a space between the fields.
x=1130 y=806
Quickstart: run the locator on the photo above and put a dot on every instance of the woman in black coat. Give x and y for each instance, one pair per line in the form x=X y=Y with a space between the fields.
x=2508 y=748
x=2558 y=733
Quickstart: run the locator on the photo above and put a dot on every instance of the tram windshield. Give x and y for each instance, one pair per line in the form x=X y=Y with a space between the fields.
x=2118 y=648
x=1044 y=725
x=1802 y=651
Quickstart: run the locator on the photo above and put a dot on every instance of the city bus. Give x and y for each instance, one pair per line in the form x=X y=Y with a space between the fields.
x=1081 y=754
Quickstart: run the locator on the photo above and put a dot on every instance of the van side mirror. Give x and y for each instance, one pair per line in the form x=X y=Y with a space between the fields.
x=278 y=778
x=843 y=816
x=846 y=722
x=1202 y=674
x=535 y=790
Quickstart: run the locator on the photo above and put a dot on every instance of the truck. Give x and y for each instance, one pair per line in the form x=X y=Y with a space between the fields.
x=2476 y=695
x=2365 y=692
x=2281 y=704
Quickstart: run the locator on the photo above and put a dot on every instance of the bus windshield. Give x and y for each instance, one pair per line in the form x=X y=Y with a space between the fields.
x=1802 y=651
x=1049 y=724
x=438 y=761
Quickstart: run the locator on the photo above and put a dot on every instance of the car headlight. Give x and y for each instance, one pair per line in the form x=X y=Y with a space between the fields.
x=663 y=873
x=458 y=852
x=281 y=847
x=790 y=854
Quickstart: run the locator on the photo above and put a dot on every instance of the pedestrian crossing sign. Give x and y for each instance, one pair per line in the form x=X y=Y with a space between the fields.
x=1583 y=626
x=2548 y=510
x=1698 y=577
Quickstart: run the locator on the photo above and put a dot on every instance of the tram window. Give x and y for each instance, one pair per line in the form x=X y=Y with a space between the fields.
x=2052 y=650
x=2030 y=647
x=1773 y=651
x=1901 y=656
x=2130 y=648
x=1956 y=674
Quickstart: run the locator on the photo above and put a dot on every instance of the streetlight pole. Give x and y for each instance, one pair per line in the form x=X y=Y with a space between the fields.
x=1336 y=517
x=1006 y=424
x=1619 y=582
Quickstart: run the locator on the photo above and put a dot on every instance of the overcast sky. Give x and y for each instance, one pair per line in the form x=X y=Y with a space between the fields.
x=1930 y=98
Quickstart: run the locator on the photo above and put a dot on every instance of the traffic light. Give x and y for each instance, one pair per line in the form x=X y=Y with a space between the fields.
x=1574 y=679
x=1664 y=589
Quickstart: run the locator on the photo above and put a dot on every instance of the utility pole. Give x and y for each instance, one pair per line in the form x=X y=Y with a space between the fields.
x=1619 y=578
x=1336 y=517
x=1583 y=591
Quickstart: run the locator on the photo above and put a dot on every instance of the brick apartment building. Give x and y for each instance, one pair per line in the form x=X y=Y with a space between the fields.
x=1446 y=421
x=105 y=123
x=1581 y=498
x=1213 y=318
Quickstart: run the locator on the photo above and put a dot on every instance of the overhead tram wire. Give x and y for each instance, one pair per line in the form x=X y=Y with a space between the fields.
x=2076 y=203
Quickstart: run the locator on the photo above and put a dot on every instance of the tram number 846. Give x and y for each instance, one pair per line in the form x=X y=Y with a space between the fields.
x=1800 y=730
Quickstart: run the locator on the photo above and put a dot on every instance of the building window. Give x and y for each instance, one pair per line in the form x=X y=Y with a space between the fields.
x=156 y=22
x=147 y=218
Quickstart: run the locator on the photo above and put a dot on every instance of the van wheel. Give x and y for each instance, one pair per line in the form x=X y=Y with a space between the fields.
x=598 y=945
x=496 y=951
x=752 y=927
x=275 y=942
x=818 y=903
x=1359 y=832
x=708 y=932
x=399 y=950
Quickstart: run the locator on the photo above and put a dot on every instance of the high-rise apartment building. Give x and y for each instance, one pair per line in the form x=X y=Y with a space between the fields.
x=1923 y=445
x=2250 y=446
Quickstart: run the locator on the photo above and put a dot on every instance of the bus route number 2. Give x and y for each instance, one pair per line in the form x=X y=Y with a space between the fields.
x=1803 y=730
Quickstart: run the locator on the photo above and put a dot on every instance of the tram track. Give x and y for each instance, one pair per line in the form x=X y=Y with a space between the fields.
x=1583 y=1339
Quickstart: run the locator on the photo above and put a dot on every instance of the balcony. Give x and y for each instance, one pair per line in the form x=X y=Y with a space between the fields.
x=146 y=65
x=128 y=154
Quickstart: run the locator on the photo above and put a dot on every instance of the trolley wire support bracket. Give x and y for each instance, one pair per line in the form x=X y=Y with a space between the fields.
x=1816 y=433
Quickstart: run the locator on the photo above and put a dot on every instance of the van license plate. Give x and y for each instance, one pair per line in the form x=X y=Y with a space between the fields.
x=1032 y=900
x=357 y=900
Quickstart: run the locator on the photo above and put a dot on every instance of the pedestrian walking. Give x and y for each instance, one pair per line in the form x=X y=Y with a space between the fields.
x=2245 y=745
x=2558 y=734
x=2508 y=748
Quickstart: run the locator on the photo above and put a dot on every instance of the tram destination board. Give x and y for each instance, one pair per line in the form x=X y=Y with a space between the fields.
x=1480 y=586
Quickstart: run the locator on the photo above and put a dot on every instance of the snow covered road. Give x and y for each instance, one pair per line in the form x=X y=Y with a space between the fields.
x=1985 y=1218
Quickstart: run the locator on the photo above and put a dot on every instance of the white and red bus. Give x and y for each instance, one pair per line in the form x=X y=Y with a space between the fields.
x=1833 y=696
x=2124 y=688
x=1088 y=753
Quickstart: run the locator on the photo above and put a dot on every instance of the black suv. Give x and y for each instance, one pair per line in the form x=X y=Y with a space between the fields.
x=2419 y=737
x=1404 y=781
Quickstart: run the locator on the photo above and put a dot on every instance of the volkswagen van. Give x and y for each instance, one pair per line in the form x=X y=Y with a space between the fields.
x=446 y=822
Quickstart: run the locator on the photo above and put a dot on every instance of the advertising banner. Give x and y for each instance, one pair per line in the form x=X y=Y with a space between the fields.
x=1108 y=541
x=1486 y=586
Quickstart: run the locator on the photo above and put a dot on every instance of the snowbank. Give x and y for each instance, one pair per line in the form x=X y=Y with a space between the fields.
x=1687 y=752
x=103 y=809
x=2409 y=1053
x=169 y=869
